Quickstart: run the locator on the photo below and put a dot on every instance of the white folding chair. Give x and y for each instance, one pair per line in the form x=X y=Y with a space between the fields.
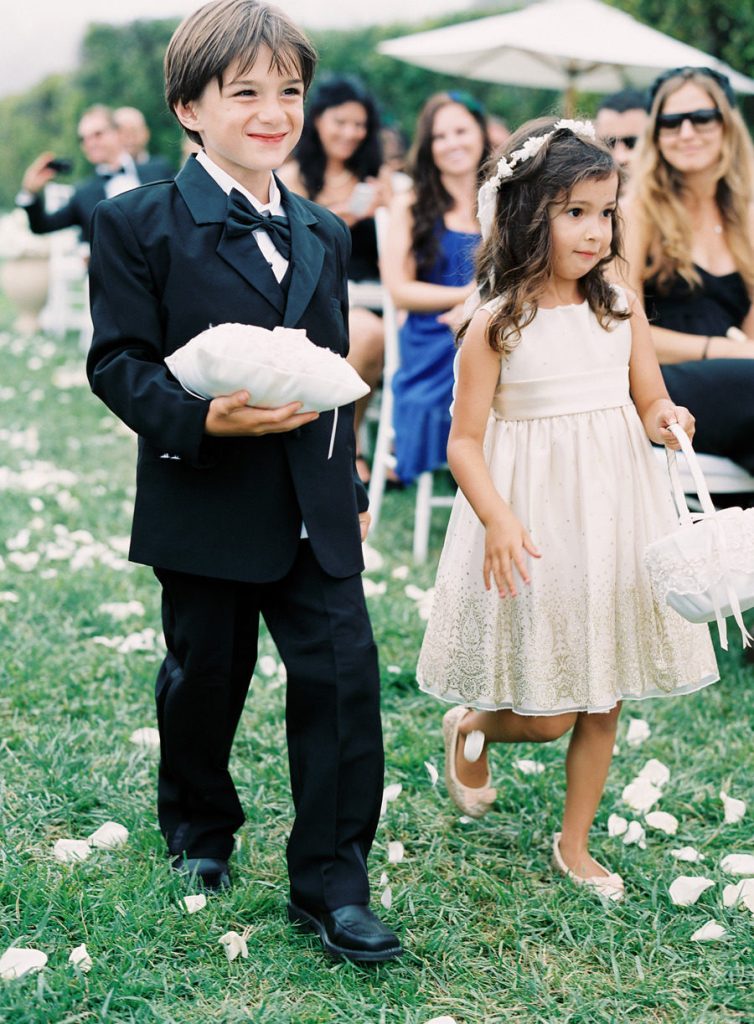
x=383 y=458
x=722 y=475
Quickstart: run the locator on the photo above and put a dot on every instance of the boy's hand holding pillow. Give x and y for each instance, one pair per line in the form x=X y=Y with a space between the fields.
x=275 y=367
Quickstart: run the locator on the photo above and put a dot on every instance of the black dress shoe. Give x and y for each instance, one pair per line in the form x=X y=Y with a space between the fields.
x=353 y=932
x=203 y=872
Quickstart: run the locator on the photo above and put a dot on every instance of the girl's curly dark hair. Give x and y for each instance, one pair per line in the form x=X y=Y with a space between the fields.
x=515 y=262
x=365 y=161
x=432 y=199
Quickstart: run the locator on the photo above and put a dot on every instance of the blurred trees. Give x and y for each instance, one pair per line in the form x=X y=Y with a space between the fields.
x=122 y=65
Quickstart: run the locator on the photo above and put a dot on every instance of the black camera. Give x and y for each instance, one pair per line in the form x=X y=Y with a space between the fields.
x=60 y=164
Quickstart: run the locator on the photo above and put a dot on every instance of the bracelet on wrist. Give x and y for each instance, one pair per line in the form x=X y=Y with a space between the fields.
x=705 y=350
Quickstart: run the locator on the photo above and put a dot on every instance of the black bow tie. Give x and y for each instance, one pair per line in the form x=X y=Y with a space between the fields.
x=242 y=218
x=108 y=174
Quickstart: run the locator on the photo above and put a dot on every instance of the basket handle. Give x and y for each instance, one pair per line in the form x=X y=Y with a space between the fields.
x=684 y=513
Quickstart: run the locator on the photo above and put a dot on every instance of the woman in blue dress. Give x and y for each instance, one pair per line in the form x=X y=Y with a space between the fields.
x=428 y=268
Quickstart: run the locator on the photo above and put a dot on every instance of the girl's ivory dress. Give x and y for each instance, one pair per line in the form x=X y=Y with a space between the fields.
x=566 y=449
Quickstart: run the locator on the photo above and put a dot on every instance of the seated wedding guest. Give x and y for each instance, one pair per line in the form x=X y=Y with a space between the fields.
x=338 y=164
x=135 y=135
x=690 y=250
x=428 y=268
x=498 y=131
x=620 y=122
x=114 y=172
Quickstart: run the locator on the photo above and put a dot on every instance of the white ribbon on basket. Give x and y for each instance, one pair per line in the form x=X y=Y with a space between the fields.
x=709 y=512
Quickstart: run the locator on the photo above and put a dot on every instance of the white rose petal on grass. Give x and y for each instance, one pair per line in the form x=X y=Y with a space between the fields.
x=734 y=809
x=389 y=794
x=528 y=767
x=386 y=899
x=383 y=879
x=635 y=835
x=146 y=737
x=441 y=1020
x=432 y=772
x=68 y=851
x=662 y=821
x=268 y=667
x=709 y=932
x=17 y=961
x=641 y=795
x=395 y=852
x=120 y=610
x=20 y=541
x=738 y=892
x=616 y=825
x=235 y=945
x=80 y=959
x=195 y=903
x=738 y=864
x=686 y=889
x=400 y=572
x=394 y=670
x=110 y=836
x=26 y=561
x=372 y=589
x=638 y=731
x=465 y=819
x=373 y=560
x=655 y=771
x=688 y=854
x=8 y=597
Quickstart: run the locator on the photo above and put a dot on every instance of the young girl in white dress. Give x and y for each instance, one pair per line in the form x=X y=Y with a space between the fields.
x=543 y=618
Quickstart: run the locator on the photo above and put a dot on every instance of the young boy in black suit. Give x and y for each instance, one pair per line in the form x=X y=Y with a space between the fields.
x=239 y=509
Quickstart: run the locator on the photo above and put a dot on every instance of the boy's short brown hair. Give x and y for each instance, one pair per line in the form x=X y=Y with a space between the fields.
x=220 y=32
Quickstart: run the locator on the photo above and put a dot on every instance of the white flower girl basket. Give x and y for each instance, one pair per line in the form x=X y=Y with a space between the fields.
x=705 y=569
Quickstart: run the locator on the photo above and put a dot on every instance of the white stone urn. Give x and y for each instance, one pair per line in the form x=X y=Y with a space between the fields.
x=24 y=270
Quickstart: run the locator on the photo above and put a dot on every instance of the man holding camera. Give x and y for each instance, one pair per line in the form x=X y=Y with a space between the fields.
x=114 y=172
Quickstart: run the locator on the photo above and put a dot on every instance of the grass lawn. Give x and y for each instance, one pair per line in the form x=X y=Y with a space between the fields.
x=491 y=935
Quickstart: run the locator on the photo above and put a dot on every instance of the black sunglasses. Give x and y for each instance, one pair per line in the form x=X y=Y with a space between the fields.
x=699 y=118
x=629 y=141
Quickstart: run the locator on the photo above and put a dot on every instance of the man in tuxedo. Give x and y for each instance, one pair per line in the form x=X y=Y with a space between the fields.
x=114 y=172
x=134 y=136
x=242 y=511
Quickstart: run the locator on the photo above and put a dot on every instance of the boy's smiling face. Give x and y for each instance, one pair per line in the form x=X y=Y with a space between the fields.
x=250 y=126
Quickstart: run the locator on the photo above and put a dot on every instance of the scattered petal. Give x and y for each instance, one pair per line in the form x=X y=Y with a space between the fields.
x=734 y=809
x=738 y=864
x=8 y=596
x=465 y=819
x=194 y=903
x=709 y=932
x=395 y=852
x=689 y=854
x=739 y=891
x=119 y=610
x=441 y=1020
x=528 y=767
x=638 y=731
x=616 y=825
x=16 y=962
x=146 y=737
x=400 y=572
x=235 y=945
x=641 y=795
x=386 y=899
x=473 y=745
x=80 y=958
x=67 y=851
x=373 y=560
x=268 y=667
x=635 y=835
x=616 y=750
x=432 y=772
x=372 y=589
x=656 y=772
x=687 y=889
x=110 y=836
x=26 y=561
x=392 y=792
x=662 y=821
x=383 y=878
x=394 y=670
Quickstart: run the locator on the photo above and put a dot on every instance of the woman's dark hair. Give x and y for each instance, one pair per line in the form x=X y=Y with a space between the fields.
x=515 y=261
x=366 y=160
x=432 y=199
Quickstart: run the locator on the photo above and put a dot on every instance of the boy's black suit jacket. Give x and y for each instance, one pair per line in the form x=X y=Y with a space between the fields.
x=162 y=270
x=78 y=211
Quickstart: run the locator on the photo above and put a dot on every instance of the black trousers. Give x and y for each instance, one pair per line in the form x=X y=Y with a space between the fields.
x=321 y=628
x=720 y=394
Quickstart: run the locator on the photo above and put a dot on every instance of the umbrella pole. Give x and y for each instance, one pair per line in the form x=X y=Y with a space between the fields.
x=569 y=99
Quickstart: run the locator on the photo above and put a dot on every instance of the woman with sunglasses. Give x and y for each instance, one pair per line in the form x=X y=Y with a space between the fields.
x=690 y=252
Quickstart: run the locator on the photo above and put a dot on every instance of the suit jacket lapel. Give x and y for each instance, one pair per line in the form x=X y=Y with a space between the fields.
x=208 y=203
x=307 y=257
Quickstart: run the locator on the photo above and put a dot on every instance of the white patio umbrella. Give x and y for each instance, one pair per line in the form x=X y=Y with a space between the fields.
x=567 y=45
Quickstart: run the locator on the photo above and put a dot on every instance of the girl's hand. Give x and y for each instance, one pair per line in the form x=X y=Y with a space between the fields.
x=506 y=540
x=674 y=414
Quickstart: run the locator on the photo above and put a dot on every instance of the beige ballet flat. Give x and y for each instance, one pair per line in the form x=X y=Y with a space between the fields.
x=472 y=800
x=609 y=886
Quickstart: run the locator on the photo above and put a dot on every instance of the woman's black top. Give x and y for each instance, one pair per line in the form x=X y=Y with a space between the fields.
x=721 y=302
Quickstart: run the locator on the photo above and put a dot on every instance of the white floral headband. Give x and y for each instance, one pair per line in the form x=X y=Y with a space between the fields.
x=488 y=192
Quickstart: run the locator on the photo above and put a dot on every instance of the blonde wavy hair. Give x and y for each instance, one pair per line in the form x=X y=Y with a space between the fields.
x=658 y=191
